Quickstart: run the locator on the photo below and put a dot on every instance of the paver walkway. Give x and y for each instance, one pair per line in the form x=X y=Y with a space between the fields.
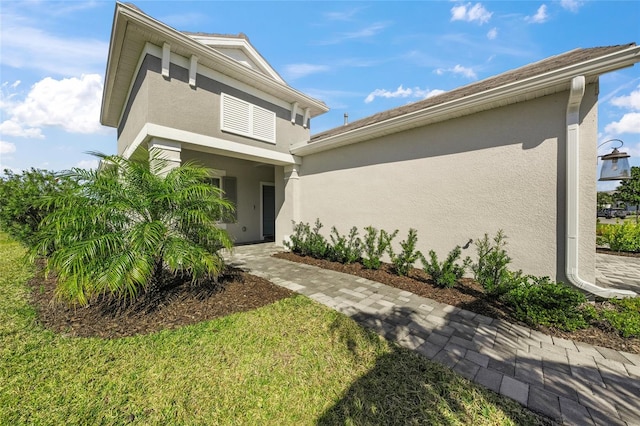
x=572 y=382
x=618 y=272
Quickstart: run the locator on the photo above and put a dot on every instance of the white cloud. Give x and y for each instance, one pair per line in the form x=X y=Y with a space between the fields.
x=458 y=69
x=369 y=31
x=342 y=16
x=492 y=34
x=572 y=5
x=13 y=128
x=72 y=104
x=366 y=32
x=33 y=48
x=88 y=164
x=632 y=101
x=466 y=12
x=294 y=71
x=540 y=17
x=629 y=123
x=401 y=92
x=7 y=147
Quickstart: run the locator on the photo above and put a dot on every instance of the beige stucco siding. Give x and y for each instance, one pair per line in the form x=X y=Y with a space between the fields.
x=175 y=104
x=249 y=175
x=136 y=111
x=456 y=180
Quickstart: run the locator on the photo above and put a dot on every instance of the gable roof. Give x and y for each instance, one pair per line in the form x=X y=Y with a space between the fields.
x=541 y=78
x=132 y=29
x=237 y=47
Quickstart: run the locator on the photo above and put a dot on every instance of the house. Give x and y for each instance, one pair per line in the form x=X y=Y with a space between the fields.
x=513 y=152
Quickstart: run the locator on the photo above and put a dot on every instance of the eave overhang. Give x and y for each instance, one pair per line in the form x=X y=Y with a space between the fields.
x=522 y=90
x=119 y=74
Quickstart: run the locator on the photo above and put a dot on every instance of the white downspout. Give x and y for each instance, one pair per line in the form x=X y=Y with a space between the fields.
x=573 y=189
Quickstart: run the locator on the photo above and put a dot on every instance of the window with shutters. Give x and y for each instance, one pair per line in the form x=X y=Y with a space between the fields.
x=246 y=119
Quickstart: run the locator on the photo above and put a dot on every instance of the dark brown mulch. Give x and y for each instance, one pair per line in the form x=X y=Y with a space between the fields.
x=617 y=253
x=178 y=305
x=468 y=295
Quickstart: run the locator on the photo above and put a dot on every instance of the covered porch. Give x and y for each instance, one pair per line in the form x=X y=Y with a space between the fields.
x=261 y=183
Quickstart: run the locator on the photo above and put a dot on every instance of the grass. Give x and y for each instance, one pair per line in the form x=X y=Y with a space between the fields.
x=292 y=362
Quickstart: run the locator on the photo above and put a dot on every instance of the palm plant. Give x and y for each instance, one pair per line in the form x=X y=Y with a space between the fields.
x=128 y=223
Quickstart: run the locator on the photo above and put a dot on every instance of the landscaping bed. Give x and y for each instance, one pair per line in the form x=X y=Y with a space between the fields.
x=178 y=305
x=469 y=295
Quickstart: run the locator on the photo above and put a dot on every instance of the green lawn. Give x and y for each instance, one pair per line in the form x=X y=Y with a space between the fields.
x=293 y=362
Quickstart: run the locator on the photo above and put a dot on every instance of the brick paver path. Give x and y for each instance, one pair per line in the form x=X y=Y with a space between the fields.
x=618 y=272
x=571 y=382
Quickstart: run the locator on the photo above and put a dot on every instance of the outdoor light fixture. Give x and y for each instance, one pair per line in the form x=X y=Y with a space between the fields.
x=615 y=165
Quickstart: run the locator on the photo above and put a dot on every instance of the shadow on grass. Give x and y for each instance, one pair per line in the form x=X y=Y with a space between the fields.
x=404 y=387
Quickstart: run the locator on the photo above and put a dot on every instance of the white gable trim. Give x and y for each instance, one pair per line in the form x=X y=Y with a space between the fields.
x=217 y=145
x=242 y=44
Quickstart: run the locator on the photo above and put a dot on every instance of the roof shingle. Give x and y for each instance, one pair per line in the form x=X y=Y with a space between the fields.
x=537 y=68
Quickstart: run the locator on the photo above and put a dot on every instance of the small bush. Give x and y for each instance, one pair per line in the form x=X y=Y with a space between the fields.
x=540 y=301
x=23 y=200
x=625 y=317
x=447 y=273
x=297 y=240
x=375 y=245
x=620 y=237
x=345 y=249
x=491 y=270
x=403 y=261
x=308 y=242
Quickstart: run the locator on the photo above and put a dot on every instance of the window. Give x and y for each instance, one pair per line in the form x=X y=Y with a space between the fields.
x=243 y=118
x=229 y=186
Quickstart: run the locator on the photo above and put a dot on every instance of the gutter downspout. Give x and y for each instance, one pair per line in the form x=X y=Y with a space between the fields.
x=573 y=189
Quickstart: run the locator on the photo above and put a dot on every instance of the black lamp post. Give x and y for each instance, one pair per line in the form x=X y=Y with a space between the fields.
x=615 y=165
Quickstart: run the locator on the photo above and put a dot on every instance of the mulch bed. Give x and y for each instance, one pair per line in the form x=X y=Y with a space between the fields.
x=604 y=250
x=178 y=305
x=468 y=295
x=182 y=304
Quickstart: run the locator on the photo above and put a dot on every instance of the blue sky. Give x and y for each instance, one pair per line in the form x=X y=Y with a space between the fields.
x=358 y=57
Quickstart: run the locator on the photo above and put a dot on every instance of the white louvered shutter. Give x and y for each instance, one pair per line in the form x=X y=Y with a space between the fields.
x=243 y=118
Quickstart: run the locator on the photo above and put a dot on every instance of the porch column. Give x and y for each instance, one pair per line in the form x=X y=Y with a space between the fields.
x=290 y=210
x=168 y=151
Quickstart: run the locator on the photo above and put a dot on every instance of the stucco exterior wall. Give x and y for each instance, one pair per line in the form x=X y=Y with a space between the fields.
x=456 y=180
x=136 y=111
x=174 y=103
x=248 y=175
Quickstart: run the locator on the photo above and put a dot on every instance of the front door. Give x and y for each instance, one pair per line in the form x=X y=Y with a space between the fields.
x=268 y=212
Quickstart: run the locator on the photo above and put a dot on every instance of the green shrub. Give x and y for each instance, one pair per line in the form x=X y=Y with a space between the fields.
x=447 y=273
x=22 y=197
x=540 y=301
x=345 y=249
x=375 y=245
x=490 y=270
x=620 y=237
x=297 y=240
x=625 y=318
x=308 y=242
x=127 y=226
x=403 y=261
